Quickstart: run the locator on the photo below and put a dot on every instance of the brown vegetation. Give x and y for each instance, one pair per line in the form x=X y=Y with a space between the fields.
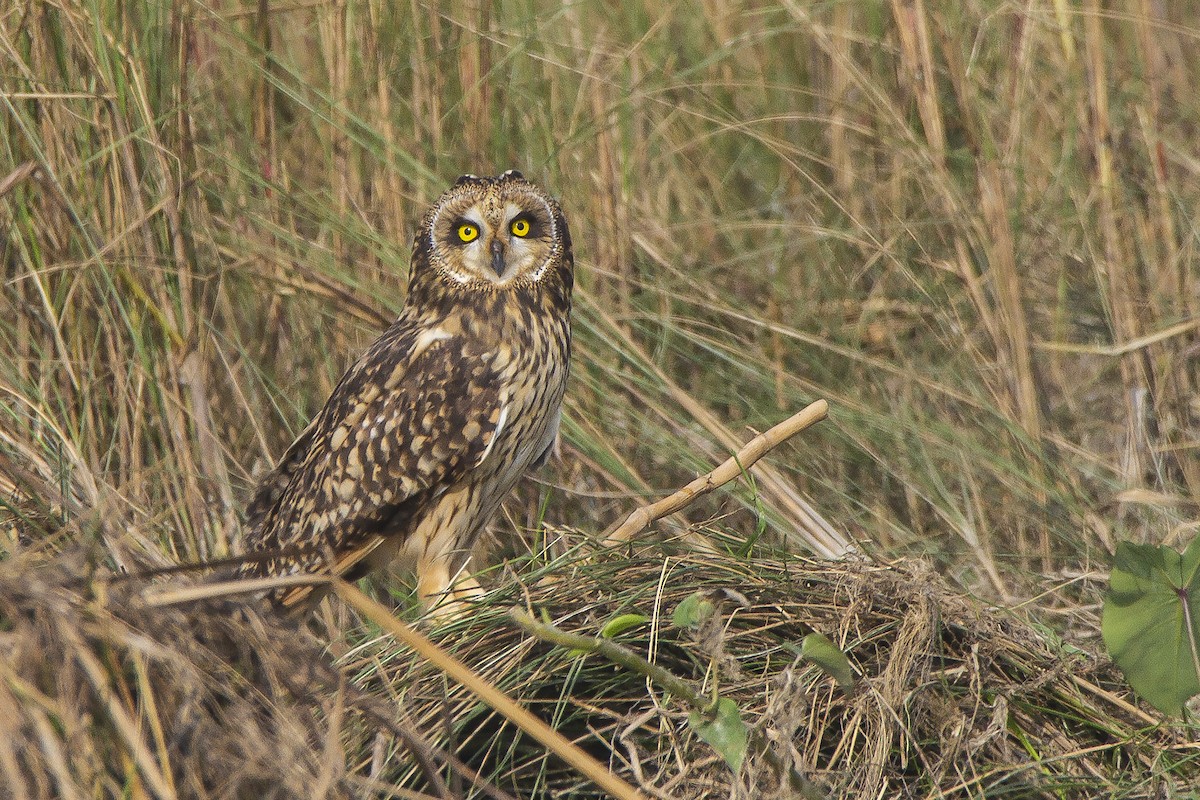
x=970 y=227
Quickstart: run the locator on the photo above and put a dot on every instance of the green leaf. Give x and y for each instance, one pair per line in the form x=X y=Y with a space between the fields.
x=693 y=610
x=818 y=649
x=1151 y=622
x=618 y=625
x=724 y=731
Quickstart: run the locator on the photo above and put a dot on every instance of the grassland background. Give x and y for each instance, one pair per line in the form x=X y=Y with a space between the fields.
x=971 y=227
x=971 y=230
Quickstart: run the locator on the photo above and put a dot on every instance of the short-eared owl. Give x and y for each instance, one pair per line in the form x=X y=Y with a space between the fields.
x=427 y=433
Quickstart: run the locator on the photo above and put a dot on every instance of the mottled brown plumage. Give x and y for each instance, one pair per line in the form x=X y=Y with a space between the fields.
x=427 y=433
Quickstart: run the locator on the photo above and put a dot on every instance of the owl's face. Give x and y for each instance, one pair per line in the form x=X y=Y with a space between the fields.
x=494 y=233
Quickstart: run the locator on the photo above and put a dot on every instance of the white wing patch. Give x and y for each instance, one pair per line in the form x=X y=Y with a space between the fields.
x=427 y=338
x=487 y=451
x=424 y=340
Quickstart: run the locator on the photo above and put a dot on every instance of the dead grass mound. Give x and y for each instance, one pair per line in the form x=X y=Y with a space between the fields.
x=103 y=696
x=952 y=700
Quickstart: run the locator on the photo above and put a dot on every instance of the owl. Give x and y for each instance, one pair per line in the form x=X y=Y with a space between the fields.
x=429 y=430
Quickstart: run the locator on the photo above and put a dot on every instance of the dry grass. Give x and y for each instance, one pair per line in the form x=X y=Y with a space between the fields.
x=103 y=694
x=104 y=697
x=970 y=228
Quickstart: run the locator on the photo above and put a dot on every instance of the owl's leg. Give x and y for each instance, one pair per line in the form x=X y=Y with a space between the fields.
x=433 y=581
x=444 y=597
x=467 y=589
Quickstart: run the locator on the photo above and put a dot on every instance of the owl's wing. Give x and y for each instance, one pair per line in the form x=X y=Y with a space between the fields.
x=273 y=484
x=418 y=411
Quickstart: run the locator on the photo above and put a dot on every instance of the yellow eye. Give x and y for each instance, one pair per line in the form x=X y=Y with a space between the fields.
x=520 y=227
x=467 y=232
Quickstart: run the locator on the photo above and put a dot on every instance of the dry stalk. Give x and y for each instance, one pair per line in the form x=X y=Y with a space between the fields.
x=736 y=465
x=157 y=598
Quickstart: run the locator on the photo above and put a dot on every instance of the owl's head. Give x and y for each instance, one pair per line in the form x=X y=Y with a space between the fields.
x=493 y=233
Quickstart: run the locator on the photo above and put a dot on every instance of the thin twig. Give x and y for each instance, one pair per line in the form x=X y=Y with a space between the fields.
x=736 y=465
x=156 y=598
x=490 y=694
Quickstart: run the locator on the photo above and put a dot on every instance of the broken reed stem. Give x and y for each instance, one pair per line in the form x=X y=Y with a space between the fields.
x=736 y=465
x=458 y=671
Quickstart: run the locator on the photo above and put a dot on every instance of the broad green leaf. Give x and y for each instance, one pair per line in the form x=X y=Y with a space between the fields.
x=818 y=649
x=693 y=610
x=618 y=625
x=724 y=731
x=1151 y=622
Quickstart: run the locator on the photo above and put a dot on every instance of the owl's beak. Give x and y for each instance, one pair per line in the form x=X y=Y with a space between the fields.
x=497 y=248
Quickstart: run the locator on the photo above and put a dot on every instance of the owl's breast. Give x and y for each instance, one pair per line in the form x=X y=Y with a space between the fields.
x=533 y=374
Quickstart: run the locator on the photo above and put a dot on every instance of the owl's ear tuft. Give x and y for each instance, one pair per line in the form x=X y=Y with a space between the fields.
x=512 y=174
x=468 y=178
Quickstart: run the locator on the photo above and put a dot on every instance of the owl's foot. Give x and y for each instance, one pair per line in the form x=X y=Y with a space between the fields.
x=444 y=602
